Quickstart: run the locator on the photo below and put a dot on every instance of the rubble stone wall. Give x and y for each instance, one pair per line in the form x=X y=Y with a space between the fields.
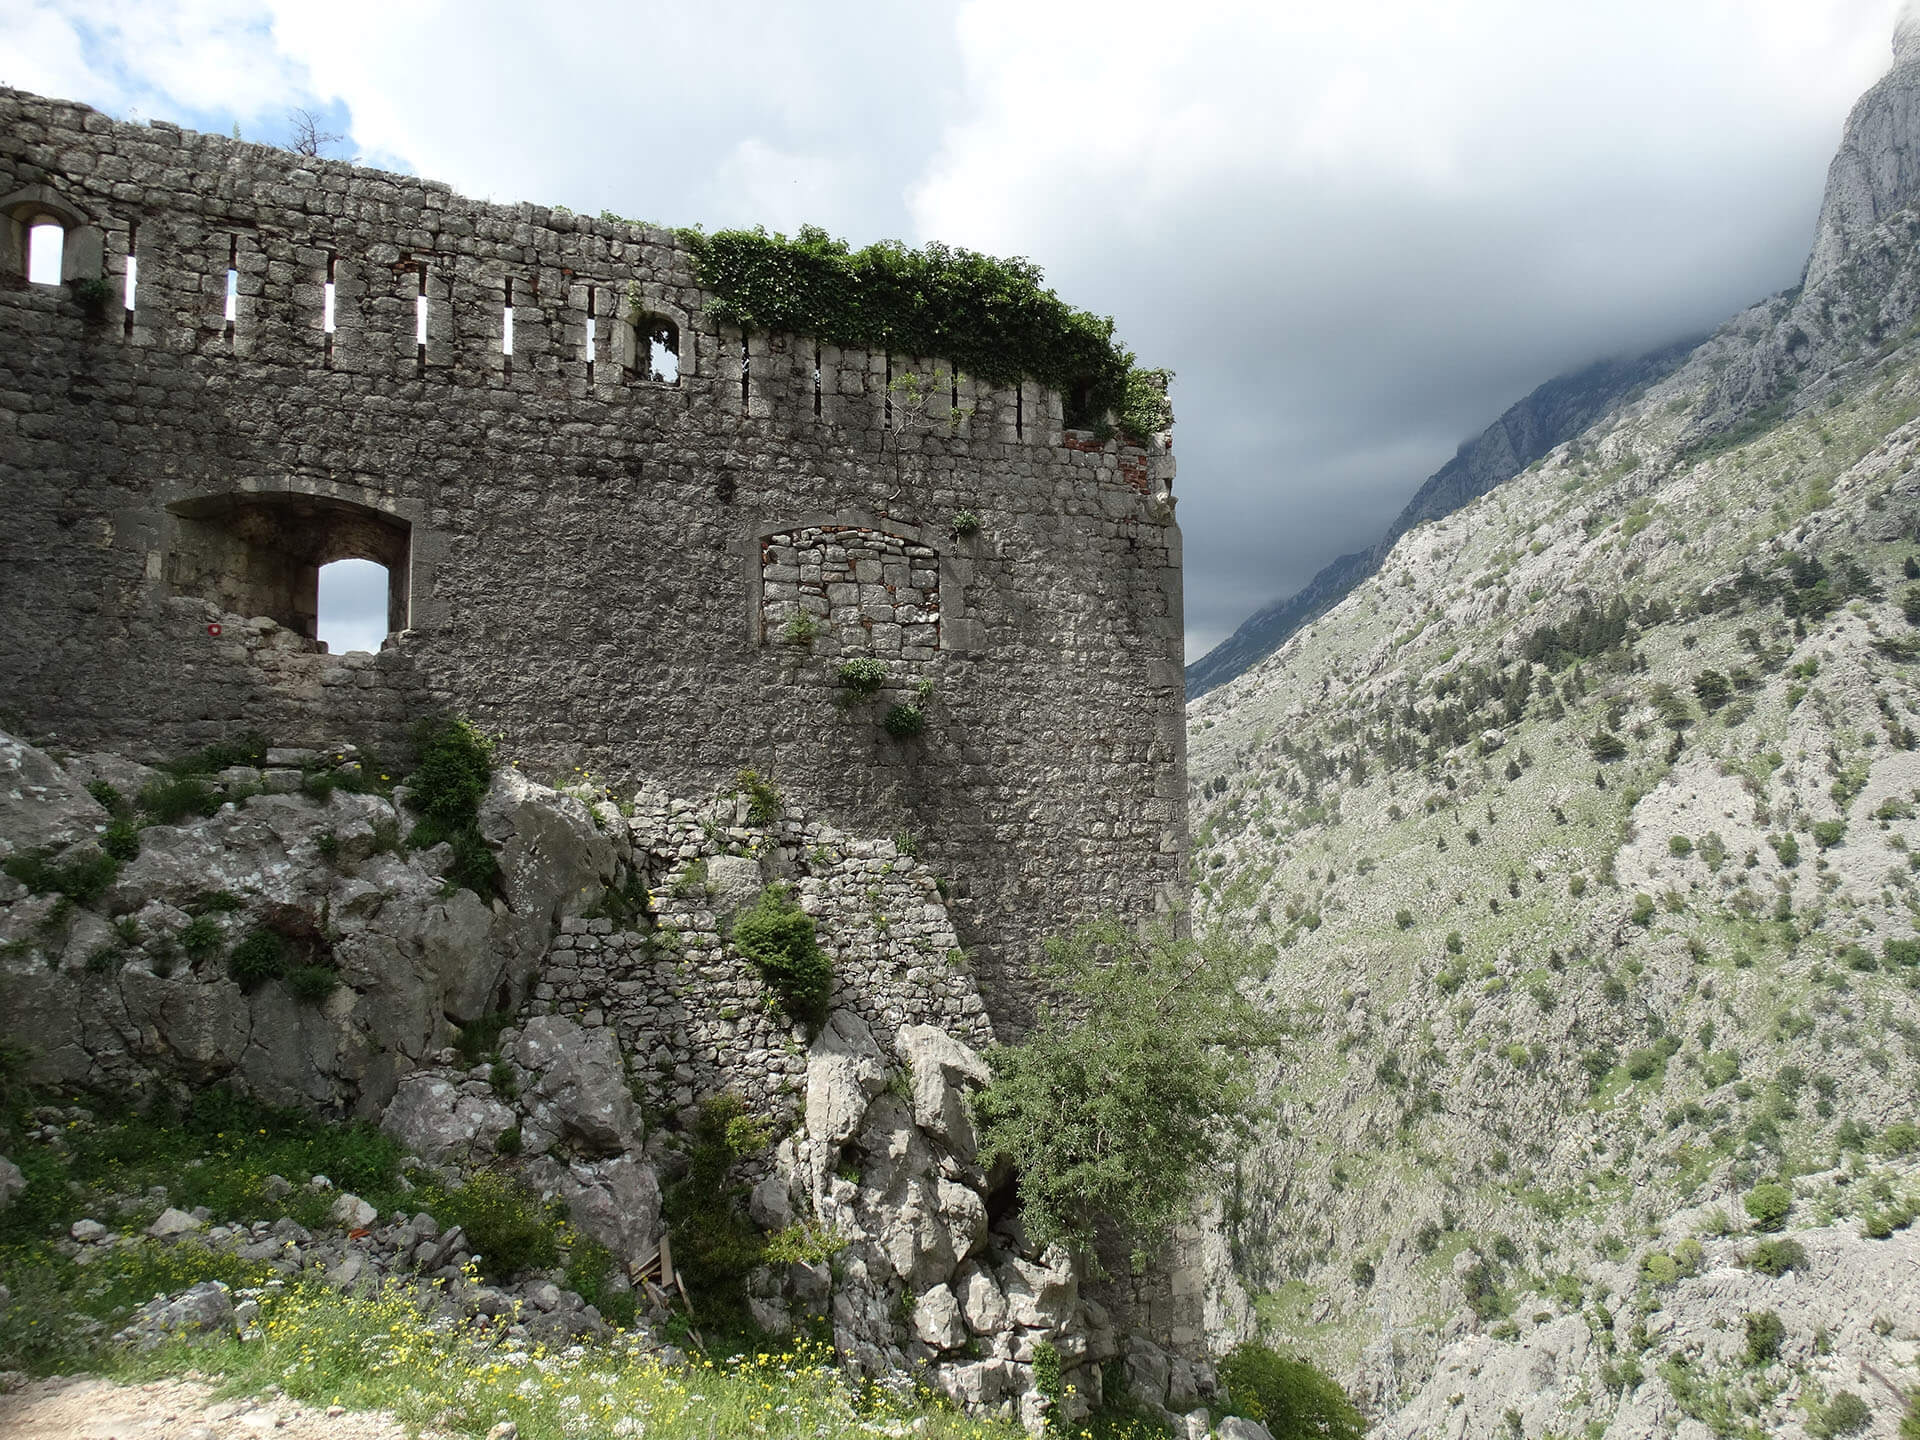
x=585 y=558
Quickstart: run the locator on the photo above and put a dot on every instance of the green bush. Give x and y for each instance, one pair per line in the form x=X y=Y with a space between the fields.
x=507 y=1224
x=863 y=676
x=1606 y=746
x=1403 y=919
x=82 y=880
x=1845 y=1414
x=1828 y=833
x=989 y=317
x=764 y=802
x=1777 y=1257
x=1293 y=1399
x=1768 y=1204
x=904 y=721
x=1900 y=1138
x=590 y=1273
x=201 y=937
x=1643 y=908
x=168 y=802
x=779 y=938
x=310 y=984
x=259 y=957
x=1679 y=846
x=1124 y=1092
x=1454 y=943
x=1765 y=1332
x=1901 y=952
x=121 y=840
x=446 y=787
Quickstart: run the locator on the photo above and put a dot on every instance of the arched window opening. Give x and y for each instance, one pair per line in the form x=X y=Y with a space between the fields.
x=352 y=613
x=46 y=248
x=262 y=553
x=663 y=349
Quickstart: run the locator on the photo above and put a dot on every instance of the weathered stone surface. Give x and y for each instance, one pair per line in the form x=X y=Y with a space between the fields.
x=204 y=1312
x=40 y=806
x=982 y=1301
x=552 y=857
x=434 y=1120
x=943 y=1068
x=351 y=1212
x=172 y=1224
x=617 y=1202
x=844 y=1073
x=733 y=882
x=576 y=1087
x=1039 y=1296
x=12 y=1182
x=937 y=1321
x=1238 y=1427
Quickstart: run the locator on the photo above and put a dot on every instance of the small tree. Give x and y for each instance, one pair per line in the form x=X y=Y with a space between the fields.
x=1130 y=1087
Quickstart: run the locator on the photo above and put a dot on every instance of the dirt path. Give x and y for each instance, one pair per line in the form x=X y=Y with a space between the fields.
x=89 y=1409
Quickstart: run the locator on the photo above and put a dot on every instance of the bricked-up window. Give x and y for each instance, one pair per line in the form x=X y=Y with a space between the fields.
x=46 y=244
x=260 y=553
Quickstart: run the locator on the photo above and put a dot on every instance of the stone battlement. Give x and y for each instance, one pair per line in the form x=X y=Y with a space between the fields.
x=603 y=514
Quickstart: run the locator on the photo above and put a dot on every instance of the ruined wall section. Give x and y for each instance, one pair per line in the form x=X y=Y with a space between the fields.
x=593 y=554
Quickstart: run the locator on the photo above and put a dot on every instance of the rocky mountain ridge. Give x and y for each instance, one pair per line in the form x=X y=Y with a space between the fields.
x=1582 y=834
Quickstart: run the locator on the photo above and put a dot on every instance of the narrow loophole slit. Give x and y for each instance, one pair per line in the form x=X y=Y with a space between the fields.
x=593 y=302
x=233 y=284
x=133 y=272
x=887 y=417
x=327 y=293
x=745 y=378
x=1019 y=411
x=816 y=382
x=420 y=319
x=506 y=327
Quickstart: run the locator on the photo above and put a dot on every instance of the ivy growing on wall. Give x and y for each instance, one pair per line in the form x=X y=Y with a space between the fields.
x=990 y=317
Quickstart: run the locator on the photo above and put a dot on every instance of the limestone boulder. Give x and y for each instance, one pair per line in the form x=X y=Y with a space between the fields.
x=1040 y=1296
x=937 y=1321
x=41 y=806
x=576 y=1087
x=982 y=1302
x=12 y=1182
x=943 y=1070
x=733 y=883
x=553 y=859
x=431 y=1116
x=617 y=1202
x=844 y=1072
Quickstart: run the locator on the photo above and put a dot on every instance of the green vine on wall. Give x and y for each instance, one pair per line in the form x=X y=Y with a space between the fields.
x=990 y=317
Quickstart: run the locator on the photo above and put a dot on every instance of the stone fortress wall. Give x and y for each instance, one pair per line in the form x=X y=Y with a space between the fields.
x=597 y=543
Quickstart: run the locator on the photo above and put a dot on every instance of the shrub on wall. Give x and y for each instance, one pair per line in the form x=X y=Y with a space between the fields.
x=445 y=789
x=990 y=317
x=779 y=938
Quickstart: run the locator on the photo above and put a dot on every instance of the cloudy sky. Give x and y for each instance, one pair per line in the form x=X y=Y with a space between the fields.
x=1357 y=229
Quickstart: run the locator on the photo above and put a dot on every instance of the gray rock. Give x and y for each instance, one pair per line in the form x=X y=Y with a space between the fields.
x=351 y=1212
x=1039 y=1296
x=12 y=1182
x=733 y=883
x=577 y=1086
x=434 y=1120
x=173 y=1223
x=203 y=1312
x=985 y=1306
x=41 y=806
x=617 y=1202
x=937 y=1321
x=943 y=1069
x=844 y=1073
x=1198 y=1423
x=87 y=1231
x=552 y=856
x=1238 y=1427
x=770 y=1205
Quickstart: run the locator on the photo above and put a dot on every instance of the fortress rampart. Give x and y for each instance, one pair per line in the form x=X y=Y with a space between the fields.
x=597 y=543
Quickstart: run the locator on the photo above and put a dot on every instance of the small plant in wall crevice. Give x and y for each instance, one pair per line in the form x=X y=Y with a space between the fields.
x=861 y=678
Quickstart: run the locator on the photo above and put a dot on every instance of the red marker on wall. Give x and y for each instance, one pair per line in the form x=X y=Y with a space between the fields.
x=214 y=629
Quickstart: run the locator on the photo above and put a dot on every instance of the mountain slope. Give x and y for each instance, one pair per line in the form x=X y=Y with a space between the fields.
x=1552 y=414
x=1583 y=836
